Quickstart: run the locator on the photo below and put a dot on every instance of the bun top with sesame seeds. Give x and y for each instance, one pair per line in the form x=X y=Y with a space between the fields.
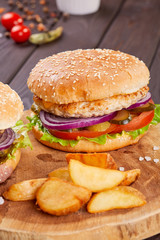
x=11 y=107
x=87 y=75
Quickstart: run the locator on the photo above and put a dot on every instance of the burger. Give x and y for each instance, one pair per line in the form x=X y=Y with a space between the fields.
x=13 y=133
x=91 y=100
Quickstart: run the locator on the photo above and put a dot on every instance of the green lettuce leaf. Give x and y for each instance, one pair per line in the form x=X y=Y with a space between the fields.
x=50 y=138
x=35 y=121
x=100 y=140
x=22 y=139
x=156 y=118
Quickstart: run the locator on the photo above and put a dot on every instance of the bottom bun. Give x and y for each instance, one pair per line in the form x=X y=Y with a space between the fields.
x=87 y=146
x=8 y=166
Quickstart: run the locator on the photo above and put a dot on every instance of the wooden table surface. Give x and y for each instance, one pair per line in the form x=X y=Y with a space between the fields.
x=126 y=25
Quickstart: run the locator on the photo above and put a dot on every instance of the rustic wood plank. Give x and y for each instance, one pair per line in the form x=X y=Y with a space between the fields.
x=22 y=220
x=155 y=77
x=79 y=32
x=14 y=55
x=156 y=237
x=136 y=29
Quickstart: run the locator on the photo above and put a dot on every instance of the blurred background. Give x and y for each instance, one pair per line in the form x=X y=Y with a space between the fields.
x=126 y=25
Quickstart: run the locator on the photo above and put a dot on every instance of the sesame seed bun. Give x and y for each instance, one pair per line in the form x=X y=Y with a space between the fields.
x=87 y=75
x=11 y=107
x=87 y=146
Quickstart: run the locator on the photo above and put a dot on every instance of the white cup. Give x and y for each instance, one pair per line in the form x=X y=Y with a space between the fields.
x=78 y=7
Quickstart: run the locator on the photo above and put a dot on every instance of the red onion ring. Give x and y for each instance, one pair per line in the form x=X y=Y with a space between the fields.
x=6 y=139
x=51 y=121
x=3 y=136
x=141 y=102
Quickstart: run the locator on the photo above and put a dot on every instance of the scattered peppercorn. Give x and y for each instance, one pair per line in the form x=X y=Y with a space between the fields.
x=45 y=9
x=26 y=9
x=31 y=25
x=24 y=16
x=41 y=27
x=7 y=34
x=42 y=2
x=38 y=14
x=11 y=2
x=33 y=6
x=53 y=15
x=2 y=10
x=65 y=16
x=19 y=5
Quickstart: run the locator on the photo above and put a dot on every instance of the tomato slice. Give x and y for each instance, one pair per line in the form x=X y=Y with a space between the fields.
x=137 y=122
x=83 y=133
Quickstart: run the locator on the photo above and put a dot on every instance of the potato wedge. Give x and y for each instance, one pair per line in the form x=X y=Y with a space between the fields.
x=25 y=190
x=131 y=177
x=61 y=173
x=119 y=197
x=94 y=178
x=102 y=160
x=58 y=197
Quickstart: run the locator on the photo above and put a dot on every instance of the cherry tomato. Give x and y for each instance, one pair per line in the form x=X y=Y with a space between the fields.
x=11 y=19
x=20 y=33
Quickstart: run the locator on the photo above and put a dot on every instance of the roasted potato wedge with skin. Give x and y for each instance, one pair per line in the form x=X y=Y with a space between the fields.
x=25 y=190
x=61 y=173
x=131 y=176
x=58 y=197
x=94 y=178
x=119 y=197
x=101 y=160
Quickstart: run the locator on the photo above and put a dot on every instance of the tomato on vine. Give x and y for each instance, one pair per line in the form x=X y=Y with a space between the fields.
x=20 y=33
x=11 y=19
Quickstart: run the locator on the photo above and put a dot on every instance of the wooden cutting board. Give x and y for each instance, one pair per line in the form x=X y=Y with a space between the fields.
x=24 y=220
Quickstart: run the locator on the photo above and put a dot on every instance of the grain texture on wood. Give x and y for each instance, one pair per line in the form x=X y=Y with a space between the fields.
x=22 y=220
x=155 y=77
x=136 y=30
x=14 y=55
